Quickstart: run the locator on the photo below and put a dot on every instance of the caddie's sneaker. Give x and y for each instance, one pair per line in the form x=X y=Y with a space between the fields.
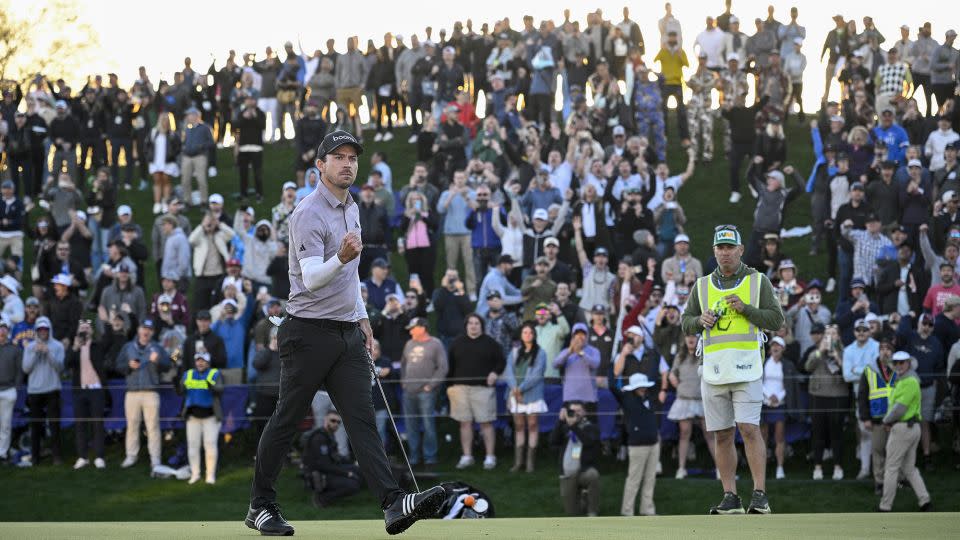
x=268 y=521
x=465 y=461
x=759 y=503
x=410 y=507
x=729 y=505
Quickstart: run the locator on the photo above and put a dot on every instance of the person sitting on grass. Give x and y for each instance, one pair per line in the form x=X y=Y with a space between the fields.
x=330 y=477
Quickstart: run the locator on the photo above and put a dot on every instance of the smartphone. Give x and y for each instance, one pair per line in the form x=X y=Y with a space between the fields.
x=262 y=290
x=414 y=277
x=418 y=205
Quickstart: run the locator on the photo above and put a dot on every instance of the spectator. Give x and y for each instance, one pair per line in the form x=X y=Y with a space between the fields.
x=11 y=375
x=578 y=363
x=643 y=445
x=524 y=377
x=374 y=227
x=202 y=387
x=198 y=142
x=174 y=208
x=210 y=255
x=772 y=198
x=122 y=295
x=579 y=443
x=423 y=369
x=141 y=362
x=853 y=308
x=11 y=221
x=176 y=253
x=891 y=81
x=475 y=362
x=176 y=302
x=64 y=310
x=330 y=475
x=13 y=309
x=484 y=242
x=43 y=364
x=893 y=135
x=687 y=407
x=552 y=332
x=23 y=332
x=248 y=125
x=496 y=280
x=64 y=200
x=452 y=306
x=806 y=313
x=937 y=142
x=205 y=340
x=921 y=344
x=379 y=284
x=856 y=356
x=232 y=328
x=829 y=396
x=597 y=279
x=901 y=283
x=259 y=247
x=675 y=268
x=418 y=247
x=937 y=295
x=537 y=288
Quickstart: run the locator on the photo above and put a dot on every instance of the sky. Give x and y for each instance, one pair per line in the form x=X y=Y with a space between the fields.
x=159 y=36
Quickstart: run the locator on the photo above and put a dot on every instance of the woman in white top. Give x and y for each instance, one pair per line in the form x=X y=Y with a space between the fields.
x=162 y=149
x=511 y=236
x=774 y=399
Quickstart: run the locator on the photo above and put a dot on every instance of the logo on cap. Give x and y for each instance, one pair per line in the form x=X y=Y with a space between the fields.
x=727 y=235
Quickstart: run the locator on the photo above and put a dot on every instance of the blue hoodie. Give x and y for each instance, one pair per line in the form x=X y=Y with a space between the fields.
x=234 y=332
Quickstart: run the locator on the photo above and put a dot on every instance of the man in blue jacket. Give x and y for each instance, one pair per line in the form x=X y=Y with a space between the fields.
x=142 y=361
x=232 y=328
x=892 y=134
x=484 y=241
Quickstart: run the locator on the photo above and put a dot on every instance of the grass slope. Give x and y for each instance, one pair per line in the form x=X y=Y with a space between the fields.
x=851 y=526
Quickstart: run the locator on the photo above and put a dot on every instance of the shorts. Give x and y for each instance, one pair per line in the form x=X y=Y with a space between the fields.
x=472 y=403
x=349 y=96
x=725 y=405
x=928 y=402
x=537 y=407
x=772 y=415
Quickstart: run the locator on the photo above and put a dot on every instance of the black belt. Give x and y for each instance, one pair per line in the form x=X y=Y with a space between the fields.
x=326 y=323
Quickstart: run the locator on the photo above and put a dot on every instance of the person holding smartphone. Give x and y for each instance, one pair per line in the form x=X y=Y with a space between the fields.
x=829 y=400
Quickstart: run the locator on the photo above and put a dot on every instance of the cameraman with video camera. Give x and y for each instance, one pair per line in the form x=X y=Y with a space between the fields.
x=579 y=443
x=85 y=359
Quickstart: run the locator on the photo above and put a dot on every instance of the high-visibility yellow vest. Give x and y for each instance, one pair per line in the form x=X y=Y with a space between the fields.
x=732 y=352
x=878 y=392
x=190 y=383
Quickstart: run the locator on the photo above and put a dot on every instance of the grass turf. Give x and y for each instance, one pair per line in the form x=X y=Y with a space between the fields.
x=849 y=526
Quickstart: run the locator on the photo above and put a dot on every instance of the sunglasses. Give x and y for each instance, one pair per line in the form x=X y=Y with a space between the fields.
x=719 y=228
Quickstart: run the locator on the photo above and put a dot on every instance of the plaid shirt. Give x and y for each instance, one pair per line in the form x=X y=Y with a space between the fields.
x=866 y=248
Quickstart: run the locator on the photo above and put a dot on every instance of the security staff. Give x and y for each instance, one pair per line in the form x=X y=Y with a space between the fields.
x=325 y=342
x=876 y=382
x=730 y=308
x=202 y=386
x=902 y=423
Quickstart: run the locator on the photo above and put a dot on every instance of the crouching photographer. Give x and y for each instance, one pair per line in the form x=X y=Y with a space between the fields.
x=327 y=474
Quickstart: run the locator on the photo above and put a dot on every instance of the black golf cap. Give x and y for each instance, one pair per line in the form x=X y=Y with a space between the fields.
x=337 y=139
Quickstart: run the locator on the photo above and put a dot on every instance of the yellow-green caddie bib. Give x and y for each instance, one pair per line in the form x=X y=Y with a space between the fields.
x=731 y=349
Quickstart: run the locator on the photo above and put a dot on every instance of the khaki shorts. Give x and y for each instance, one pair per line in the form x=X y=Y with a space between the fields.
x=349 y=96
x=727 y=404
x=472 y=403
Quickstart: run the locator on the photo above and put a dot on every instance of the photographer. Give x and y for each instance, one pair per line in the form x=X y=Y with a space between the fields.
x=452 y=305
x=579 y=443
x=86 y=360
x=210 y=254
x=806 y=313
x=829 y=400
x=102 y=209
x=63 y=309
x=483 y=239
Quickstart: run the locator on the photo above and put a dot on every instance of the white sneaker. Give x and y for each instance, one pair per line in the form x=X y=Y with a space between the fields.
x=831 y=285
x=863 y=474
x=211 y=481
x=100 y=463
x=378 y=137
x=388 y=136
x=780 y=474
x=80 y=463
x=490 y=463
x=164 y=208
x=128 y=462
x=212 y=172
x=734 y=197
x=837 y=473
x=465 y=461
x=412 y=139
x=681 y=474
x=156 y=208
x=817 y=473
x=193 y=480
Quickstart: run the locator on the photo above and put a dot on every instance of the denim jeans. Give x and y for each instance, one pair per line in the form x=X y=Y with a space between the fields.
x=419 y=410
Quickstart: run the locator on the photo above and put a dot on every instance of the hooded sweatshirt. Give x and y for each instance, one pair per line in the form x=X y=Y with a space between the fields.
x=43 y=368
x=146 y=377
x=258 y=253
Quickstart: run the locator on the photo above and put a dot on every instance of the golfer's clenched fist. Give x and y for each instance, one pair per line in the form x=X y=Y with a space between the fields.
x=350 y=248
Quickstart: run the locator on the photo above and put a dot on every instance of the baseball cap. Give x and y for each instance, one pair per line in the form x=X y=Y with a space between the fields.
x=505 y=259
x=861 y=323
x=551 y=241
x=635 y=330
x=726 y=234
x=542 y=260
x=857 y=283
x=493 y=294
x=200 y=355
x=8 y=184
x=541 y=213
x=215 y=198
x=192 y=110
x=5 y=321
x=579 y=327
x=779 y=341
x=147 y=323
x=602 y=251
x=702 y=54
x=203 y=314
x=61 y=104
x=393 y=295
x=337 y=139
x=599 y=308
x=42 y=322
x=872 y=216
x=771 y=236
x=124 y=210
x=31 y=301
x=900 y=356
x=787 y=263
x=776 y=175
x=619 y=130
x=417 y=321
x=947 y=195
x=681 y=238
x=122 y=268
x=733 y=19
x=871 y=317
x=955 y=145
x=888 y=164
x=814 y=284
x=817 y=328
x=951 y=33
x=914 y=163
x=234 y=262
x=10 y=283
x=289 y=185
x=62 y=279
x=231 y=303
x=733 y=57
x=164 y=299
x=380 y=262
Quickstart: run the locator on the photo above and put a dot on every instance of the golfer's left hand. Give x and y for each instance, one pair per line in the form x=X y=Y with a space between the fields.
x=735 y=303
x=367 y=335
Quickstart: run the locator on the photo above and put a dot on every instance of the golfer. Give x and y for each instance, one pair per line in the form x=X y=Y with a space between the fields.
x=730 y=308
x=325 y=342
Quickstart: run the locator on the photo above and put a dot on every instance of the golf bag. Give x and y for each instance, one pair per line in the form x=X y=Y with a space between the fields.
x=465 y=502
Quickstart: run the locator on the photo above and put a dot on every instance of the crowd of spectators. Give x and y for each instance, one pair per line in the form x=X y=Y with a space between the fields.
x=560 y=223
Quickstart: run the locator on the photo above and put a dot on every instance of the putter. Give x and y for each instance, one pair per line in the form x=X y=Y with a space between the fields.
x=373 y=372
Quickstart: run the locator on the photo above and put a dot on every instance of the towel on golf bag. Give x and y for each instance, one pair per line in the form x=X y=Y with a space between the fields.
x=456 y=507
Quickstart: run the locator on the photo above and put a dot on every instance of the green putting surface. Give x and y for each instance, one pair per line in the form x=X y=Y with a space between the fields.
x=847 y=526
